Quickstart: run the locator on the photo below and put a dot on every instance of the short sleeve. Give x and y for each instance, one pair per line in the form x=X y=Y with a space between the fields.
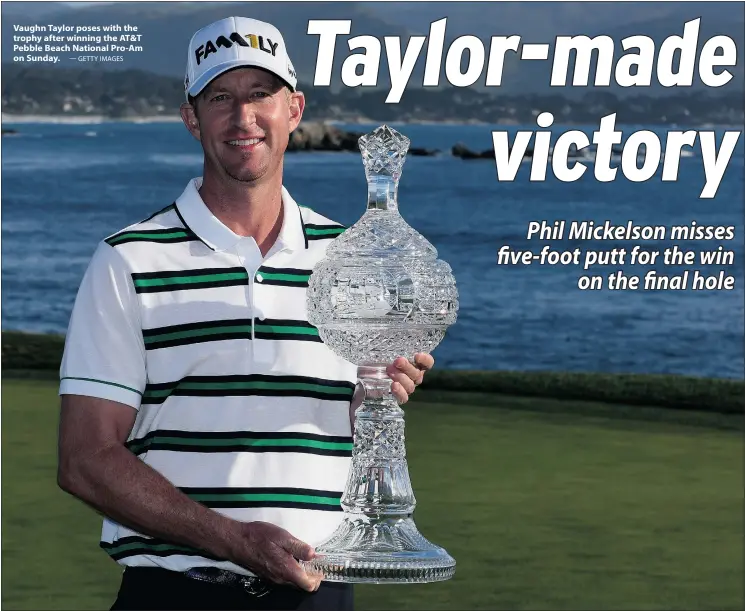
x=104 y=354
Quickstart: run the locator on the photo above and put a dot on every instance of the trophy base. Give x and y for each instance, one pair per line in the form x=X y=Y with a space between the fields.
x=380 y=550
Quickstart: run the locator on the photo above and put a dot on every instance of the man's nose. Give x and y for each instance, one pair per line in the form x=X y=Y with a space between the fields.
x=245 y=114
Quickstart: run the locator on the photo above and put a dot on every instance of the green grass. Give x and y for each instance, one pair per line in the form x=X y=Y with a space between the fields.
x=544 y=504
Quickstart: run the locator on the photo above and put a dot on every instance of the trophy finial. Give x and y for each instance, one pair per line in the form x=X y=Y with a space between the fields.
x=384 y=152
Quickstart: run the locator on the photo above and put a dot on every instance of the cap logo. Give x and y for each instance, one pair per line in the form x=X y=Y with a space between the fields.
x=254 y=41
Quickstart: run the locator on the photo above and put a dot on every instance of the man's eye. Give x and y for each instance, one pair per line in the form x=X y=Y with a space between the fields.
x=219 y=97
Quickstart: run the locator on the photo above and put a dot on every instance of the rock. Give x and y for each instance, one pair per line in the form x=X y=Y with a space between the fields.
x=422 y=152
x=462 y=151
x=316 y=136
x=322 y=137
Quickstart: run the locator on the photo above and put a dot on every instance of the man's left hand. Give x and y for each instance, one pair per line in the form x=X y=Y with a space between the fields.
x=407 y=376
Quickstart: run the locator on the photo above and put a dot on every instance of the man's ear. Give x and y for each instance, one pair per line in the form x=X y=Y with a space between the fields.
x=297 y=106
x=189 y=117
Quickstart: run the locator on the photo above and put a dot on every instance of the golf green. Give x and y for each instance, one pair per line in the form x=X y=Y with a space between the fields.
x=543 y=506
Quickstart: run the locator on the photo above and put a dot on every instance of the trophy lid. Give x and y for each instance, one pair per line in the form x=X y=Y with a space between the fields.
x=384 y=152
x=382 y=231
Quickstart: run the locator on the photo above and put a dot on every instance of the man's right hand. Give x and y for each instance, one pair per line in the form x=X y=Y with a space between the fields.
x=273 y=553
x=96 y=467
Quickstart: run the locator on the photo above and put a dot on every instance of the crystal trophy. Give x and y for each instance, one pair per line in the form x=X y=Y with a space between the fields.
x=380 y=293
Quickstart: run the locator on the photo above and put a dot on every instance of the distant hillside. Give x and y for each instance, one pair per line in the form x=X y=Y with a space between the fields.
x=543 y=21
x=135 y=93
x=167 y=26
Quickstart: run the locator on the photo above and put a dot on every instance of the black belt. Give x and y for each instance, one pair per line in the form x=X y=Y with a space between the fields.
x=254 y=586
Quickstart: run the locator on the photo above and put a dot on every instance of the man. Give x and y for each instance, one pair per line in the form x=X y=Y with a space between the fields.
x=201 y=414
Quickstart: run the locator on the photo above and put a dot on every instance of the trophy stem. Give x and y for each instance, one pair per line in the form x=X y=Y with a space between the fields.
x=379 y=483
x=382 y=192
x=378 y=541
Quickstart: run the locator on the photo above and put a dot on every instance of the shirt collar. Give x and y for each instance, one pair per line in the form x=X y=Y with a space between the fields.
x=197 y=218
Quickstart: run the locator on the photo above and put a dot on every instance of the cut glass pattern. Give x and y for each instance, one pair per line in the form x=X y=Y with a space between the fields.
x=384 y=152
x=380 y=293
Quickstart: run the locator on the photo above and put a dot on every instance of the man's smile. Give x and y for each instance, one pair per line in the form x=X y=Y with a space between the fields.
x=247 y=144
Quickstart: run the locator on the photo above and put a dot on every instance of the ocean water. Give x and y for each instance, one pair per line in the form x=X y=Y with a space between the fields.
x=65 y=187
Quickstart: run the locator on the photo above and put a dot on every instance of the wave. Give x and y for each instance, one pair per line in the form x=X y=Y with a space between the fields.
x=179 y=159
x=22 y=135
x=55 y=120
x=29 y=225
x=298 y=158
x=52 y=162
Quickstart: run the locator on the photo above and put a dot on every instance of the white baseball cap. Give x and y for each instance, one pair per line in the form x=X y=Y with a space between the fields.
x=236 y=42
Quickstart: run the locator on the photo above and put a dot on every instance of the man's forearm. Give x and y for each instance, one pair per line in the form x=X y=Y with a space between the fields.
x=119 y=485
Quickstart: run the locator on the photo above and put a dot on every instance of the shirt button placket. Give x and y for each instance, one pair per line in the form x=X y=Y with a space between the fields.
x=247 y=260
x=258 y=278
x=249 y=301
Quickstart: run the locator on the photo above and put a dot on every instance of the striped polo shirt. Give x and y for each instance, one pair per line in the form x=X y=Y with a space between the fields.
x=239 y=403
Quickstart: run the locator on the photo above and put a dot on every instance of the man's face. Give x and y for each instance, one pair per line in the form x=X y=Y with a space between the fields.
x=243 y=120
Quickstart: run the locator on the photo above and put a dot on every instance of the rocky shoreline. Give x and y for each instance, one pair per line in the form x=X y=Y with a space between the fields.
x=320 y=136
x=309 y=136
x=315 y=136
